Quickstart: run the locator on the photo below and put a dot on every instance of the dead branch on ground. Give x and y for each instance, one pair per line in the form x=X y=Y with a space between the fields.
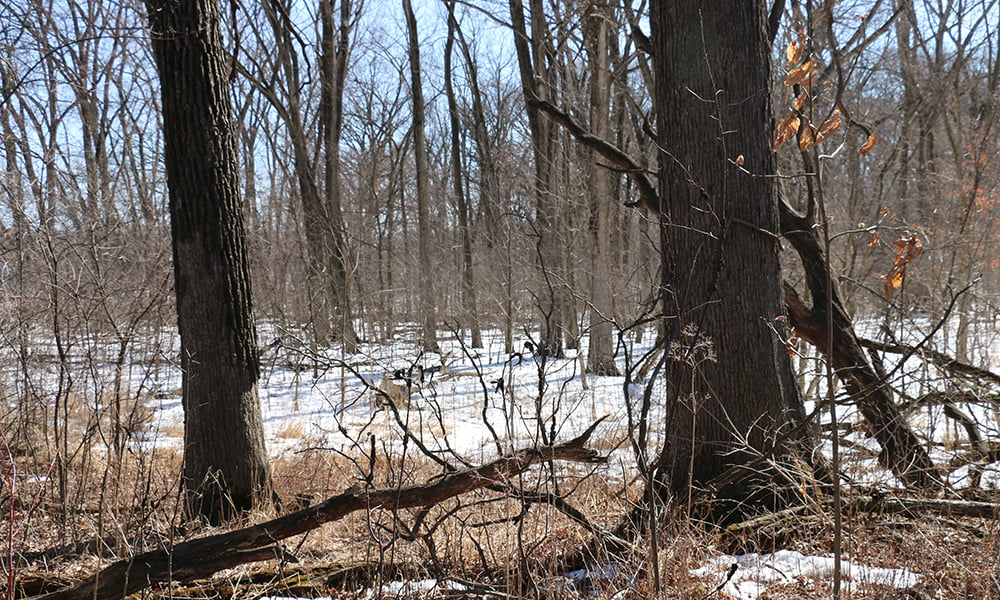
x=202 y=557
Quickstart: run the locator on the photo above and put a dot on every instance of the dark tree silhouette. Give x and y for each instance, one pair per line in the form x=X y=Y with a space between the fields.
x=225 y=464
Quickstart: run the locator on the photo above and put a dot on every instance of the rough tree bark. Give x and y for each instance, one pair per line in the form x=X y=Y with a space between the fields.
x=730 y=381
x=225 y=463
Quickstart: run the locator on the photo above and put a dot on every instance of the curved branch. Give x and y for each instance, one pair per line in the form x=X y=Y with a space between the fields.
x=203 y=557
x=647 y=191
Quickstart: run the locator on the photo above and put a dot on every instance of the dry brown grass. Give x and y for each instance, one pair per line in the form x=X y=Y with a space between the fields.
x=487 y=537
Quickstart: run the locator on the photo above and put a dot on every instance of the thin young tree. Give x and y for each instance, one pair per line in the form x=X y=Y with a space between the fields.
x=428 y=311
x=470 y=318
x=534 y=58
x=600 y=183
x=336 y=51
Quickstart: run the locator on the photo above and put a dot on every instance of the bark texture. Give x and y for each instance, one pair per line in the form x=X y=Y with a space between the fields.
x=730 y=380
x=225 y=463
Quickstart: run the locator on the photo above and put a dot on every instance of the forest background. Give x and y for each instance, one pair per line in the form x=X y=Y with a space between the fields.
x=352 y=250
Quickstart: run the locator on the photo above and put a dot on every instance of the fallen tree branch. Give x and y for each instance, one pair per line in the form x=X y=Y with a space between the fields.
x=938 y=506
x=871 y=504
x=940 y=359
x=902 y=450
x=200 y=558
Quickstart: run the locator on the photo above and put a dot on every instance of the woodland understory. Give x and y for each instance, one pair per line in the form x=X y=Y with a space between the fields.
x=459 y=299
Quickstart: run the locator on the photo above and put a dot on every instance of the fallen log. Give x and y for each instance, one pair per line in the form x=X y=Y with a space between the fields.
x=870 y=503
x=939 y=506
x=202 y=557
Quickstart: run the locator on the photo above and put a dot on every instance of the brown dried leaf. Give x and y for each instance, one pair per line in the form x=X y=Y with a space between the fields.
x=794 y=52
x=807 y=137
x=893 y=282
x=908 y=248
x=869 y=144
x=827 y=129
x=784 y=130
x=801 y=74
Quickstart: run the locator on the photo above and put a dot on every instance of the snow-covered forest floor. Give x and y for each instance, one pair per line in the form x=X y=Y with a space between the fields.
x=328 y=427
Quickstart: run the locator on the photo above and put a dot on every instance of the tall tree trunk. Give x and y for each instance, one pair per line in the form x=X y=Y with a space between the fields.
x=322 y=221
x=336 y=52
x=426 y=284
x=601 y=354
x=225 y=463
x=470 y=317
x=489 y=184
x=533 y=63
x=731 y=388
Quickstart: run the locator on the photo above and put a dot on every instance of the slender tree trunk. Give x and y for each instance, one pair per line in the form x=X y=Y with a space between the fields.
x=601 y=354
x=489 y=185
x=225 y=463
x=428 y=312
x=470 y=316
x=336 y=52
x=533 y=63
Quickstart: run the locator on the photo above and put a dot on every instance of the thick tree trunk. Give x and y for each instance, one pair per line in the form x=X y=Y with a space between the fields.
x=225 y=463
x=731 y=388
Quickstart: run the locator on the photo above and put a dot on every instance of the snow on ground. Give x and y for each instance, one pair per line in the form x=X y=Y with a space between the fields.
x=461 y=410
x=755 y=573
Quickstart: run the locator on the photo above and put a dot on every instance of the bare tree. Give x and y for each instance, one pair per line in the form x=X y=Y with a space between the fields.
x=469 y=309
x=336 y=44
x=534 y=58
x=600 y=359
x=428 y=311
x=321 y=216
x=225 y=462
